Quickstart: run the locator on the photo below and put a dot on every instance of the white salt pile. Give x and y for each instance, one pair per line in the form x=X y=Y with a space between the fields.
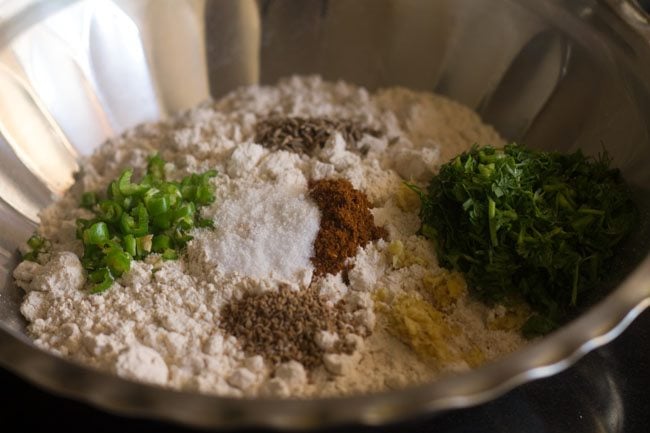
x=262 y=231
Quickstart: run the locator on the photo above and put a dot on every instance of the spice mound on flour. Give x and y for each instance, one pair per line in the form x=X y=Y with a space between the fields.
x=346 y=224
x=307 y=135
x=284 y=325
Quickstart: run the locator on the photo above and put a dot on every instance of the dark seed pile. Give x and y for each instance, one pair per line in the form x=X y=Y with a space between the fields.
x=282 y=325
x=306 y=135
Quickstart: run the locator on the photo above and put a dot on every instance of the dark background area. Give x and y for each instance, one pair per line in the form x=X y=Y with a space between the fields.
x=606 y=391
x=644 y=4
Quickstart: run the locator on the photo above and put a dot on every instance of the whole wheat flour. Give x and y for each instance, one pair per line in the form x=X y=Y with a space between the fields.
x=407 y=320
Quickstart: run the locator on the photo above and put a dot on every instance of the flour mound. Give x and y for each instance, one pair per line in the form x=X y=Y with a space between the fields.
x=161 y=322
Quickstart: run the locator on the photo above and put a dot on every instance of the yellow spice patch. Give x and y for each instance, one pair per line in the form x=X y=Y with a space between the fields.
x=508 y=318
x=445 y=288
x=402 y=258
x=380 y=295
x=416 y=323
x=423 y=328
x=474 y=357
x=407 y=199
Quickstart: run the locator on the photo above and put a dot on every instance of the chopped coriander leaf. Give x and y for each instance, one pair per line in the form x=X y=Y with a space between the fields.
x=519 y=223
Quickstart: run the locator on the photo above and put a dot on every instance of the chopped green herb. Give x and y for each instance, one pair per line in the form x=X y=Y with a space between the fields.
x=520 y=223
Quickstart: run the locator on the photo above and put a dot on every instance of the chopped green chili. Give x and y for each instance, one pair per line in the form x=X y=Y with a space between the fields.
x=96 y=234
x=102 y=280
x=88 y=199
x=135 y=219
x=37 y=245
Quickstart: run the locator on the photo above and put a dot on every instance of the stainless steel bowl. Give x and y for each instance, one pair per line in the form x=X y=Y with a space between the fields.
x=552 y=74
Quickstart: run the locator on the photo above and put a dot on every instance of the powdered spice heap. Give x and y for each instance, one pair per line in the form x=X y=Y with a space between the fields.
x=282 y=325
x=346 y=224
x=306 y=135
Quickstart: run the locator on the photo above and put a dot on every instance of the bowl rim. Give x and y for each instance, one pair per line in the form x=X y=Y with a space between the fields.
x=542 y=358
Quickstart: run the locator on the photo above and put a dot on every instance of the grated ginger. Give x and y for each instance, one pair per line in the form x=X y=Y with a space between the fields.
x=407 y=199
x=401 y=258
x=417 y=324
x=446 y=288
x=508 y=318
x=424 y=327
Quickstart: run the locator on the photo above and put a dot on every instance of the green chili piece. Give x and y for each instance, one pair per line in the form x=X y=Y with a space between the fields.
x=128 y=223
x=96 y=234
x=189 y=192
x=156 y=167
x=158 y=205
x=173 y=193
x=35 y=242
x=126 y=187
x=163 y=221
x=204 y=194
x=143 y=245
x=88 y=199
x=92 y=258
x=186 y=210
x=129 y=244
x=205 y=223
x=169 y=254
x=160 y=243
x=118 y=261
x=110 y=211
x=113 y=191
x=82 y=224
x=181 y=238
x=205 y=176
x=30 y=256
x=185 y=223
x=103 y=280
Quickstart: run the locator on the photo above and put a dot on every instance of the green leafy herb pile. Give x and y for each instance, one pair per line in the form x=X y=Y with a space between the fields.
x=526 y=224
x=135 y=219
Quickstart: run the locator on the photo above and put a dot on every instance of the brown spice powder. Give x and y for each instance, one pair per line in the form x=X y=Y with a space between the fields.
x=346 y=224
x=282 y=325
x=306 y=135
